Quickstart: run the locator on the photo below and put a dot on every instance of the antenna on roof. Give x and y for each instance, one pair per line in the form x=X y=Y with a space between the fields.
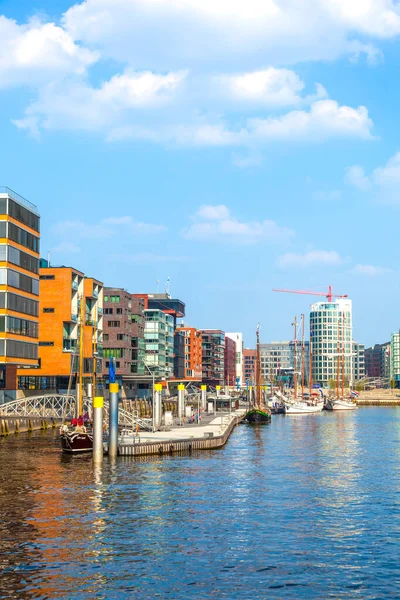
x=158 y=281
x=167 y=286
x=48 y=258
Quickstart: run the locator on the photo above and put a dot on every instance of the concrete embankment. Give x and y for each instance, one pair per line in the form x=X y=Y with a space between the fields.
x=378 y=401
x=13 y=425
x=209 y=435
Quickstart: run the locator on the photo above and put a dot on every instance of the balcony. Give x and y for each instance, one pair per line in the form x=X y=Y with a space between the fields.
x=69 y=345
x=100 y=312
x=74 y=317
x=75 y=285
x=90 y=322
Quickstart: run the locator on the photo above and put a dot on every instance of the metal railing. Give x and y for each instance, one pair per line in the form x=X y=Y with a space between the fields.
x=18 y=198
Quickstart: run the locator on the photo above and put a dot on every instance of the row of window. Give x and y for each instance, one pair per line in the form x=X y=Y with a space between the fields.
x=19 y=281
x=112 y=299
x=18 y=326
x=19 y=304
x=22 y=237
x=21 y=214
x=17 y=257
x=16 y=349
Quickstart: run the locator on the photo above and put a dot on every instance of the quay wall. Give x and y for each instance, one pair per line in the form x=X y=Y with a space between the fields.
x=178 y=445
x=378 y=401
x=13 y=425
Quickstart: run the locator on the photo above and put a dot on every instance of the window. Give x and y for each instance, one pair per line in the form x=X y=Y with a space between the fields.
x=105 y=337
x=120 y=336
x=48 y=310
x=46 y=343
x=47 y=277
x=114 y=323
x=115 y=299
x=108 y=311
x=21 y=349
x=23 y=237
x=23 y=215
x=119 y=311
x=20 y=304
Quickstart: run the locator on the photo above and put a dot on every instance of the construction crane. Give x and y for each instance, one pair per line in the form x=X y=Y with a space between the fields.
x=329 y=295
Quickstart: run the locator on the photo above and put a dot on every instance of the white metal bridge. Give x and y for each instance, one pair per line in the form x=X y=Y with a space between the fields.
x=62 y=407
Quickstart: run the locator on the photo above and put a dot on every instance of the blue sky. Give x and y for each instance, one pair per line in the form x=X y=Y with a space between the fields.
x=233 y=147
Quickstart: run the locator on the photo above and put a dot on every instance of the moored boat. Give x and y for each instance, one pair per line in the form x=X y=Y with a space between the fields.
x=303 y=408
x=258 y=415
x=76 y=439
x=343 y=404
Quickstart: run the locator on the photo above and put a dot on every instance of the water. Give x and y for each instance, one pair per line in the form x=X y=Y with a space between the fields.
x=307 y=507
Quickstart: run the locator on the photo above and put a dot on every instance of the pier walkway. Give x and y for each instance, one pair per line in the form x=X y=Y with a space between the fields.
x=212 y=432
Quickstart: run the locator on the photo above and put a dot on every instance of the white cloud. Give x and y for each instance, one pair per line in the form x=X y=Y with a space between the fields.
x=31 y=53
x=253 y=159
x=355 y=176
x=165 y=33
x=133 y=226
x=310 y=259
x=217 y=223
x=383 y=181
x=370 y=270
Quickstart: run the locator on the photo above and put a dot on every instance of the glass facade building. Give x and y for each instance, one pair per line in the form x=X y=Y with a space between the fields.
x=159 y=342
x=331 y=337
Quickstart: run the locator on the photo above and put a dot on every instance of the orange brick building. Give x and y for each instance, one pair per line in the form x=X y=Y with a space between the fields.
x=62 y=291
x=193 y=352
x=19 y=286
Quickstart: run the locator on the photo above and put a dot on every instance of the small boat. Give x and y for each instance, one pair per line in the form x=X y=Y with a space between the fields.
x=303 y=408
x=276 y=406
x=258 y=415
x=76 y=439
x=341 y=404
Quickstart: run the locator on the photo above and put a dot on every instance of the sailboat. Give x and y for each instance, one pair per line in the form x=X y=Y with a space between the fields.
x=77 y=437
x=302 y=406
x=259 y=413
x=341 y=403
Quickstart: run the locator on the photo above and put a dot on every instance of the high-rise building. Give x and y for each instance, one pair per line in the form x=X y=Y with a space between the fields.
x=249 y=366
x=62 y=292
x=19 y=286
x=238 y=339
x=358 y=362
x=377 y=361
x=213 y=356
x=193 y=353
x=230 y=362
x=331 y=337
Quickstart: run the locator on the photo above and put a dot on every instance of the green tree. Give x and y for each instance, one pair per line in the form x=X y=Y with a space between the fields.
x=332 y=384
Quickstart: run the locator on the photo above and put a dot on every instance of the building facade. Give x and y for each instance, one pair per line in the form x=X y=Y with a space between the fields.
x=331 y=337
x=158 y=343
x=358 y=362
x=19 y=286
x=278 y=362
x=230 y=362
x=213 y=356
x=249 y=366
x=238 y=339
x=193 y=353
x=67 y=300
x=377 y=361
x=395 y=359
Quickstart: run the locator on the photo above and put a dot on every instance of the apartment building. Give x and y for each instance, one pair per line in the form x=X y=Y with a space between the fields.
x=213 y=356
x=19 y=286
x=192 y=353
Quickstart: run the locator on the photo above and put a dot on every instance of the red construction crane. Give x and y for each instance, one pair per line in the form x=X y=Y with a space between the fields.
x=329 y=295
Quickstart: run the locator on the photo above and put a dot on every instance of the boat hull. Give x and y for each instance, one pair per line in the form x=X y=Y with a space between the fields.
x=304 y=409
x=76 y=442
x=343 y=405
x=257 y=415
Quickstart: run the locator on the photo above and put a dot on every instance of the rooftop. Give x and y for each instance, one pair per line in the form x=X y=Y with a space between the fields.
x=6 y=191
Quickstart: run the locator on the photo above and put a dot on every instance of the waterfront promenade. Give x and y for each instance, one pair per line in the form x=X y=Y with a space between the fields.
x=212 y=432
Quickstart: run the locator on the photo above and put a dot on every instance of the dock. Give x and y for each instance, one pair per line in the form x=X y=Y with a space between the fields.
x=211 y=433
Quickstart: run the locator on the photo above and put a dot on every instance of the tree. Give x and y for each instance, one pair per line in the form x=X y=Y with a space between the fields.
x=332 y=384
x=392 y=384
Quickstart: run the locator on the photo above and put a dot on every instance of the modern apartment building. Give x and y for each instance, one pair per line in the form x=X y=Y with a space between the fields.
x=123 y=335
x=249 y=366
x=331 y=336
x=238 y=339
x=192 y=353
x=358 y=362
x=158 y=343
x=62 y=292
x=377 y=361
x=213 y=356
x=278 y=361
x=230 y=362
x=19 y=286
x=395 y=359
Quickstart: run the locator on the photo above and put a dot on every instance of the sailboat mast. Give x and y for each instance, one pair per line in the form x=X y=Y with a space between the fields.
x=302 y=356
x=295 y=357
x=258 y=367
x=310 y=374
x=343 y=351
x=81 y=330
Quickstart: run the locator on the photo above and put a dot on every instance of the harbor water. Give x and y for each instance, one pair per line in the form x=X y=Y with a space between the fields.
x=305 y=507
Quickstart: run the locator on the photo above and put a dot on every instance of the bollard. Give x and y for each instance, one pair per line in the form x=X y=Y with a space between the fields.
x=157 y=406
x=203 y=397
x=113 y=421
x=181 y=400
x=98 y=404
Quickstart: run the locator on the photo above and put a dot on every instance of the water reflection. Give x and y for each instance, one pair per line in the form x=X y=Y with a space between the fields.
x=301 y=508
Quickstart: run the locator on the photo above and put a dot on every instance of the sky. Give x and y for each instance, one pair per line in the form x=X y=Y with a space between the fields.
x=227 y=147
